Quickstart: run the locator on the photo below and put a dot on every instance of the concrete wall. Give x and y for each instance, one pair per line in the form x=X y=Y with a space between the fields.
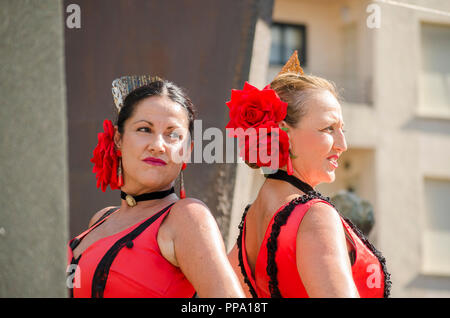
x=33 y=154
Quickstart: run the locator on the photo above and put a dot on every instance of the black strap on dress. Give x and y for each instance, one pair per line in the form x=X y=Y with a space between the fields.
x=106 y=214
x=101 y=272
x=75 y=242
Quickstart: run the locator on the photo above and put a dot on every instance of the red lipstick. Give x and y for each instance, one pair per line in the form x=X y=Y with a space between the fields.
x=333 y=160
x=154 y=161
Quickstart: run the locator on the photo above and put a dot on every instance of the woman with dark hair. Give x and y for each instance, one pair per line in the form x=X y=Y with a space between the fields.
x=154 y=244
x=292 y=241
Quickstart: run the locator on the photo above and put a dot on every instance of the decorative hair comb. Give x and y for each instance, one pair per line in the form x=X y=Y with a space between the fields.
x=122 y=86
x=292 y=65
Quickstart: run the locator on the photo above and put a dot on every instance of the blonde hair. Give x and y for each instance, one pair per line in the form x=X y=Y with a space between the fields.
x=295 y=90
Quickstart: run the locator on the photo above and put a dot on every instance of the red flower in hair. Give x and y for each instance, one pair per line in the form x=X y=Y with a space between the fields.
x=252 y=107
x=254 y=116
x=105 y=158
x=266 y=146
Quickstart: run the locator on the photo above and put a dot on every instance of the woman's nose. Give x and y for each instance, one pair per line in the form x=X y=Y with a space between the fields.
x=157 y=144
x=340 y=143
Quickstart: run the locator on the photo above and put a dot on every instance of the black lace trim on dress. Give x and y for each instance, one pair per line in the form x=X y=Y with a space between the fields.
x=377 y=253
x=241 y=259
x=281 y=219
x=101 y=272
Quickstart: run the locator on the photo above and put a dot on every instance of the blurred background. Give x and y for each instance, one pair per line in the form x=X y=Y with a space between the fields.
x=389 y=59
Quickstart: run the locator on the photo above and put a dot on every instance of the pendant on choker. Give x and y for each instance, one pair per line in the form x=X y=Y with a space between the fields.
x=133 y=200
x=130 y=200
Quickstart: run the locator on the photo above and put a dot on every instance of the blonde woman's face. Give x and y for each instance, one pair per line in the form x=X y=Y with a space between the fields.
x=154 y=144
x=318 y=140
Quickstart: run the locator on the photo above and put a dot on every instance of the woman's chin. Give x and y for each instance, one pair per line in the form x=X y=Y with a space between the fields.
x=330 y=177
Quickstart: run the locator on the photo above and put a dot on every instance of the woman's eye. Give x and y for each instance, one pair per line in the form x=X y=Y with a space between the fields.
x=331 y=129
x=174 y=135
x=144 y=129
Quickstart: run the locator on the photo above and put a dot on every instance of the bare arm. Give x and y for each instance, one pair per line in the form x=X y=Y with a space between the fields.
x=322 y=257
x=233 y=257
x=200 y=252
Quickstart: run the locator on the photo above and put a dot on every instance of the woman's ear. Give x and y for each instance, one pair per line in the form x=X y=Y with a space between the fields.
x=117 y=138
x=284 y=126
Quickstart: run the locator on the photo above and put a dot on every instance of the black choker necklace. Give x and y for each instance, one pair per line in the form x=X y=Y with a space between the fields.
x=133 y=200
x=299 y=184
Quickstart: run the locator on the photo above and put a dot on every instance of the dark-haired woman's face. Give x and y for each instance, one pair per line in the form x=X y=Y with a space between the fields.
x=154 y=144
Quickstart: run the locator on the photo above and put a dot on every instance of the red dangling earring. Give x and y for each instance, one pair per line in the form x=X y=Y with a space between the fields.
x=119 y=169
x=182 y=191
x=290 y=171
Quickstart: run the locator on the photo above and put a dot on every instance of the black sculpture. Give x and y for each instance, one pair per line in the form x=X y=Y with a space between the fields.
x=358 y=210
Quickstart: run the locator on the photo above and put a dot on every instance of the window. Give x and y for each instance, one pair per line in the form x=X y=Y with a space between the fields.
x=435 y=72
x=436 y=238
x=286 y=38
x=355 y=87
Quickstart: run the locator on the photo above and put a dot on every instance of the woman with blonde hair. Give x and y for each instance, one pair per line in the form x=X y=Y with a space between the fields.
x=292 y=241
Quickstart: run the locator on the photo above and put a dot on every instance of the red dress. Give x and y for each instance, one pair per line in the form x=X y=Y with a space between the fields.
x=127 y=264
x=276 y=273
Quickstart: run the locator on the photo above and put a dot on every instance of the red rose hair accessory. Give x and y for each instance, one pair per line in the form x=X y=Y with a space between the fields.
x=252 y=107
x=106 y=159
x=256 y=146
x=254 y=116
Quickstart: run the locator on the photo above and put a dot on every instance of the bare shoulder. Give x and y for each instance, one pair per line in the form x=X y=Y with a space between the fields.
x=187 y=219
x=321 y=230
x=184 y=213
x=190 y=209
x=322 y=256
x=320 y=217
x=98 y=215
